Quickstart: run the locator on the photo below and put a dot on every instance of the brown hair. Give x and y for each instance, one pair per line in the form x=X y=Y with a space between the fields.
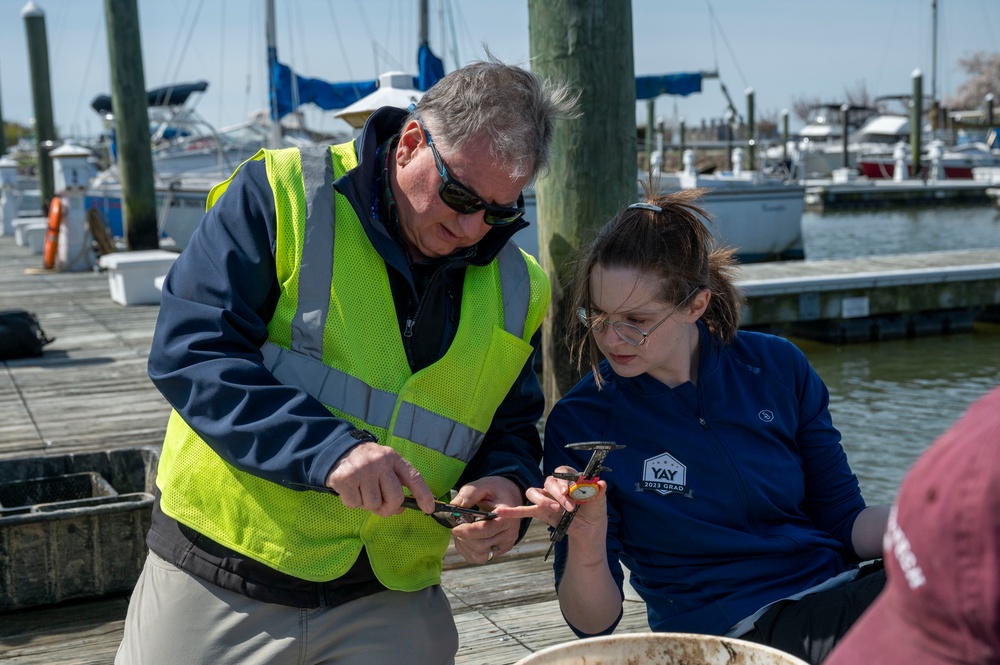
x=667 y=237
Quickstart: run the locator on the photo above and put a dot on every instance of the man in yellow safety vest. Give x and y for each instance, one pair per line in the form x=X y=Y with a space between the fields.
x=349 y=327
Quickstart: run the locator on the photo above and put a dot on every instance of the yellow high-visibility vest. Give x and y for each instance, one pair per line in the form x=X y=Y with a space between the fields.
x=335 y=334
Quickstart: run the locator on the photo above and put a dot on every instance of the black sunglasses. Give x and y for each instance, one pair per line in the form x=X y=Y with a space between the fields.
x=460 y=198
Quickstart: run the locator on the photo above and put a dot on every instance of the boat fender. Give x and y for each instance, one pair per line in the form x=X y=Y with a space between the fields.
x=52 y=234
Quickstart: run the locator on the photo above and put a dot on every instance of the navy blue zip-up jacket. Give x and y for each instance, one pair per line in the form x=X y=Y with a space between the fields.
x=730 y=494
x=205 y=359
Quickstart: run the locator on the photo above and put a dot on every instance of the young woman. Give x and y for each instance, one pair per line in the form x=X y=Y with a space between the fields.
x=732 y=502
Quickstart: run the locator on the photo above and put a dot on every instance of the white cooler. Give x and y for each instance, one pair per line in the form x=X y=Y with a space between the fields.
x=132 y=276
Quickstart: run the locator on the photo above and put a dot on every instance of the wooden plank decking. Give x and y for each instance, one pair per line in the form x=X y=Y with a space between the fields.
x=90 y=392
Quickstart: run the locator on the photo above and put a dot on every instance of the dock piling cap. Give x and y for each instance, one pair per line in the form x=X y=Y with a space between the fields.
x=70 y=150
x=31 y=10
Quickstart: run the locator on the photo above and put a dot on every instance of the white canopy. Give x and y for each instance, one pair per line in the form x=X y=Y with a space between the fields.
x=394 y=89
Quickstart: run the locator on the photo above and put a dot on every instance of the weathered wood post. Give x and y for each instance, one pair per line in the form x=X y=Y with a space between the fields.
x=730 y=119
x=129 y=104
x=586 y=44
x=3 y=134
x=916 y=119
x=681 y=143
x=661 y=138
x=41 y=97
x=845 y=111
x=784 y=136
x=650 y=113
x=751 y=130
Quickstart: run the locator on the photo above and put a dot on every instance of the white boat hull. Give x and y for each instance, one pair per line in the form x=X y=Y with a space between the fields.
x=763 y=222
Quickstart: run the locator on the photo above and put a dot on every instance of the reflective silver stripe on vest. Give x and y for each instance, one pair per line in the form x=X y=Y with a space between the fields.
x=330 y=386
x=356 y=398
x=316 y=273
x=515 y=285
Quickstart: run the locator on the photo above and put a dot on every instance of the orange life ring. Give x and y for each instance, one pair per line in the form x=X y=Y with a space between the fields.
x=52 y=234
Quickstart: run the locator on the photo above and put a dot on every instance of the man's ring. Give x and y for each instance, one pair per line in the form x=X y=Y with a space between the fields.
x=489 y=555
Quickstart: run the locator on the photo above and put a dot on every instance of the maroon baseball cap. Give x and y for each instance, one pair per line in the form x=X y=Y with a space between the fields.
x=941 y=603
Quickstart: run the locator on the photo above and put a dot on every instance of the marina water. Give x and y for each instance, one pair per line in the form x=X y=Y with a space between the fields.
x=891 y=399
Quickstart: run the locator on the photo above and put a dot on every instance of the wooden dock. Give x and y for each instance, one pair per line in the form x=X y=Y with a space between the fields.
x=862 y=193
x=90 y=392
x=873 y=297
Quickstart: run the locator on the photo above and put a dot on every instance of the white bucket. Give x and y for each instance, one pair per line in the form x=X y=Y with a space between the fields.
x=660 y=649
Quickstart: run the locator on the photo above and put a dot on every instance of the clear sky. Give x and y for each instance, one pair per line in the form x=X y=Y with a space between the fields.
x=783 y=49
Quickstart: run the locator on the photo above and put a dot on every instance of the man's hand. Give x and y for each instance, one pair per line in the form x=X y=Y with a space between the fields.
x=372 y=477
x=480 y=542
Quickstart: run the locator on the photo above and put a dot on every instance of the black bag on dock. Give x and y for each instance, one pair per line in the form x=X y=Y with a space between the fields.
x=21 y=336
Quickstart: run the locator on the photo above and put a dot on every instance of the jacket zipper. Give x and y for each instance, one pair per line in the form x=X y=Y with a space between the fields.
x=411 y=321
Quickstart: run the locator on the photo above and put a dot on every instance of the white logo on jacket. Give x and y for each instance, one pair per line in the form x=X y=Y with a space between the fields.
x=664 y=474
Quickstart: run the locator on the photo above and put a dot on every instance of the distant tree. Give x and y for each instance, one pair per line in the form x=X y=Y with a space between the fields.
x=856 y=96
x=13 y=132
x=859 y=95
x=767 y=124
x=803 y=106
x=984 y=77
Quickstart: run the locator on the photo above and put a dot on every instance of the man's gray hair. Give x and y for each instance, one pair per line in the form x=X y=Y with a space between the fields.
x=508 y=104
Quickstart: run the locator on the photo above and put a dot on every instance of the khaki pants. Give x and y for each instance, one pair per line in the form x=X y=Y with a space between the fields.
x=175 y=618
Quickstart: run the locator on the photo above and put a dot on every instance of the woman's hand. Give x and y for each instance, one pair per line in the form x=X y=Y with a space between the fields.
x=549 y=502
x=588 y=594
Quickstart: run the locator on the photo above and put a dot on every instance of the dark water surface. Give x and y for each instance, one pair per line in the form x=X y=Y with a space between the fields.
x=892 y=399
x=850 y=234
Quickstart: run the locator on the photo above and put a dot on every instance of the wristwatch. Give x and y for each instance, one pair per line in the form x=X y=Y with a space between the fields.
x=363 y=436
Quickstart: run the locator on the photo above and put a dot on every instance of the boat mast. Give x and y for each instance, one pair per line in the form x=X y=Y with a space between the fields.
x=272 y=50
x=422 y=38
x=934 y=36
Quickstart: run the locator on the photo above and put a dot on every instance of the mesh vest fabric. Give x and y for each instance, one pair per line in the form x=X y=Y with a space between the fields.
x=311 y=535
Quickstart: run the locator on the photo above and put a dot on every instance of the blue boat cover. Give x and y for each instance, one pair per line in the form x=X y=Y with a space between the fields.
x=286 y=97
x=170 y=95
x=648 y=87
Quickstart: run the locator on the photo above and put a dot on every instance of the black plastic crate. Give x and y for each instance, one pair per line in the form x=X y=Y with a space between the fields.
x=22 y=495
x=74 y=526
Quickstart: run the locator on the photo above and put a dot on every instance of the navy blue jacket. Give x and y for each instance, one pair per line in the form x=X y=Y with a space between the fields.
x=205 y=358
x=730 y=494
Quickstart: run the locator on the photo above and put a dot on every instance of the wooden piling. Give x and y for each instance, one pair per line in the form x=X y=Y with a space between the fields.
x=129 y=104
x=3 y=134
x=41 y=97
x=592 y=175
x=916 y=120
x=784 y=136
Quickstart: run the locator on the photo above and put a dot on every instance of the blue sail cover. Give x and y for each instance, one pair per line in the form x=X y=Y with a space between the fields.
x=431 y=69
x=648 y=87
x=285 y=97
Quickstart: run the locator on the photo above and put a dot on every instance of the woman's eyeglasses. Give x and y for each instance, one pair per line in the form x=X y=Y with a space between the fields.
x=627 y=332
x=460 y=198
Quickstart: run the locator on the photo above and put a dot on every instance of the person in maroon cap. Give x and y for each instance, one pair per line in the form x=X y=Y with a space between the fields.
x=941 y=603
